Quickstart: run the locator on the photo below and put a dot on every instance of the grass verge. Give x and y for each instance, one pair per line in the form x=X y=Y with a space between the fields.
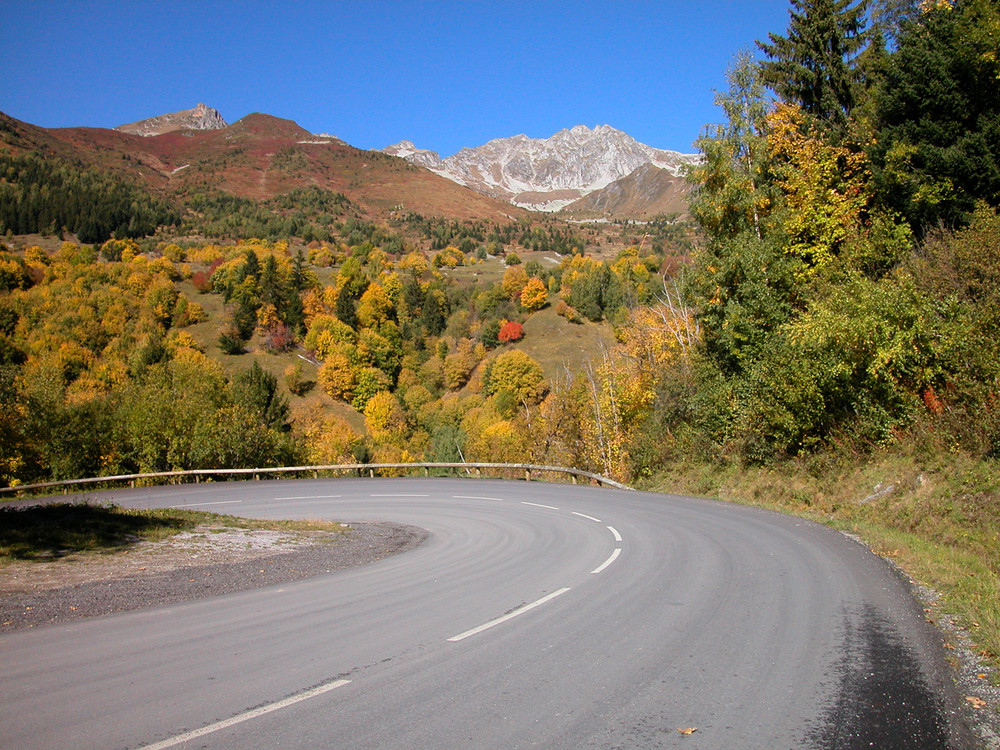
x=46 y=532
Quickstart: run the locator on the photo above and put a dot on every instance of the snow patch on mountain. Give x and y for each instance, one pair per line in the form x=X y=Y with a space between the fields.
x=573 y=163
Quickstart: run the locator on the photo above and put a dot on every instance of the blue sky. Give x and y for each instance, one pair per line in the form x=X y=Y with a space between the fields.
x=441 y=74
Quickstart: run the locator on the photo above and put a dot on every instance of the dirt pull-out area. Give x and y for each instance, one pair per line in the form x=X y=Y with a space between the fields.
x=207 y=561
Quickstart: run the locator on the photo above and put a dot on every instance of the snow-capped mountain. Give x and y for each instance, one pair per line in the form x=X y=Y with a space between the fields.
x=550 y=173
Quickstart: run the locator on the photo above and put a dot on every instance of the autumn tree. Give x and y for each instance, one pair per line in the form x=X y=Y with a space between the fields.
x=741 y=282
x=510 y=331
x=534 y=295
x=385 y=419
x=517 y=374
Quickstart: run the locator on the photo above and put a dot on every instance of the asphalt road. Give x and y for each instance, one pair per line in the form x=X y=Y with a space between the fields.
x=534 y=615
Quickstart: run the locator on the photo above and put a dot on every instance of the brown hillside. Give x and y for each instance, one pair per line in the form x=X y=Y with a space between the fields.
x=647 y=192
x=259 y=156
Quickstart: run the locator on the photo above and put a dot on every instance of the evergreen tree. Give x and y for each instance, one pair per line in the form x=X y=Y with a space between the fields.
x=938 y=149
x=256 y=390
x=814 y=66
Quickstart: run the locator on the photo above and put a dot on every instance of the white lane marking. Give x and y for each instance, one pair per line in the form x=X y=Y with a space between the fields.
x=613 y=530
x=251 y=714
x=307 y=497
x=589 y=518
x=399 y=495
x=606 y=563
x=215 y=502
x=508 y=616
x=539 y=505
x=476 y=497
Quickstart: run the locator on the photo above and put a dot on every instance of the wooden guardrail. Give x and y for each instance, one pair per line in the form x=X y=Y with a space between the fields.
x=371 y=470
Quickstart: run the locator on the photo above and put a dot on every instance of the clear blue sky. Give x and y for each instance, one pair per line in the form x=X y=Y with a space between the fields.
x=441 y=74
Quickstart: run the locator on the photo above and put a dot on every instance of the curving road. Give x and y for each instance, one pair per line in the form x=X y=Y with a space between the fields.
x=534 y=615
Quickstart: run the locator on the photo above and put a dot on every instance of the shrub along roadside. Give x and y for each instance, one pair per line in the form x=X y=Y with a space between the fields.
x=934 y=514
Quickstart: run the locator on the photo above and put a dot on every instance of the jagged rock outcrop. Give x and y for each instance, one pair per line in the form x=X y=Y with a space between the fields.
x=549 y=173
x=201 y=117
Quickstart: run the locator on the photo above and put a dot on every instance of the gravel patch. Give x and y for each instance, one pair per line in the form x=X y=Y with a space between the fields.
x=201 y=563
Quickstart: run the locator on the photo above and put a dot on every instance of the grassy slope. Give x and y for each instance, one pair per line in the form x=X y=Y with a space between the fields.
x=206 y=334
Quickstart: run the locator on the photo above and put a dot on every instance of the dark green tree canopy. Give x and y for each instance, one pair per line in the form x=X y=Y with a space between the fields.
x=938 y=149
x=814 y=65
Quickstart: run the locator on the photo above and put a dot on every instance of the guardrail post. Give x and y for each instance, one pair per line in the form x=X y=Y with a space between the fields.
x=527 y=475
x=315 y=475
x=371 y=473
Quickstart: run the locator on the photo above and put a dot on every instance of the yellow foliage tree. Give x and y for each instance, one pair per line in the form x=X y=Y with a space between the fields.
x=535 y=295
x=825 y=186
x=329 y=440
x=415 y=262
x=518 y=374
x=336 y=375
x=514 y=280
x=374 y=306
x=385 y=419
x=459 y=364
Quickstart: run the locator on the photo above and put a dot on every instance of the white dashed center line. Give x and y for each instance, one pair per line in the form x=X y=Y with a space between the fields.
x=508 y=616
x=246 y=716
x=606 y=563
x=215 y=502
x=308 y=497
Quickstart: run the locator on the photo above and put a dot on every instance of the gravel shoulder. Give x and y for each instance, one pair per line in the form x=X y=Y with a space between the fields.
x=207 y=561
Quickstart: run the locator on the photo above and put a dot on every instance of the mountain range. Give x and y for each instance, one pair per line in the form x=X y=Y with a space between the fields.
x=554 y=173
x=581 y=171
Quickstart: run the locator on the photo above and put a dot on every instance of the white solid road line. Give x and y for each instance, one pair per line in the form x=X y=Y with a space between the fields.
x=539 y=505
x=508 y=616
x=398 y=495
x=247 y=715
x=606 y=563
x=476 y=497
x=589 y=518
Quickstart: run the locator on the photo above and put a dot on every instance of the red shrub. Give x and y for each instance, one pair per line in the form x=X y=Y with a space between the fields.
x=511 y=331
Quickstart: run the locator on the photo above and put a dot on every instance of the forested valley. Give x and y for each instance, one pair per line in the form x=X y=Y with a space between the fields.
x=828 y=344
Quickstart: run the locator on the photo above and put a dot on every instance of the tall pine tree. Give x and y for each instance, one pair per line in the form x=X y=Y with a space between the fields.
x=814 y=66
x=938 y=148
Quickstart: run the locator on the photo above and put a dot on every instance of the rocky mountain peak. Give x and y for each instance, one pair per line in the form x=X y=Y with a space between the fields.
x=202 y=117
x=547 y=173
